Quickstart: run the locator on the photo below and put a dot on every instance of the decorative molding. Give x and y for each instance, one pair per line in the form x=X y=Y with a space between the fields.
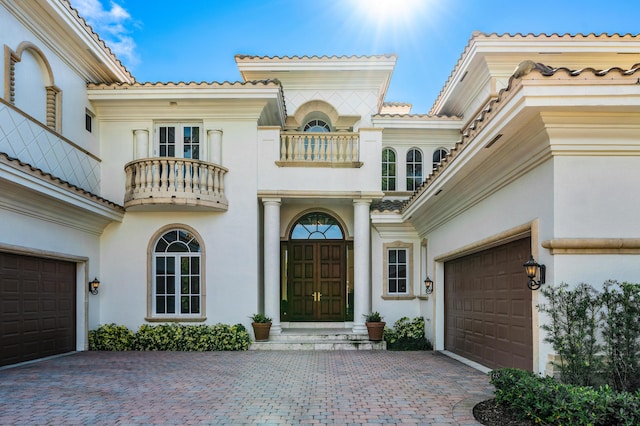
x=489 y=242
x=408 y=297
x=593 y=245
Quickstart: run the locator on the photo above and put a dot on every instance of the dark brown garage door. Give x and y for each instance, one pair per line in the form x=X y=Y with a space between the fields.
x=37 y=308
x=488 y=307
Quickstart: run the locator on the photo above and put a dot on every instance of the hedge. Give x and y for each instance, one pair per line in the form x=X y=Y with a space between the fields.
x=170 y=337
x=547 y=401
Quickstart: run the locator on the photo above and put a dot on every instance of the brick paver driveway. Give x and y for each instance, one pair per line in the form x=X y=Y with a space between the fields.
x=340 y=387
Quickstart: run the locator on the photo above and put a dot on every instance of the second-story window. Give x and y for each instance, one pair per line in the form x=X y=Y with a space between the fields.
x=388 y=169
x=181 y=140
x=439 y=155
x=316 y=126
x=414 y=169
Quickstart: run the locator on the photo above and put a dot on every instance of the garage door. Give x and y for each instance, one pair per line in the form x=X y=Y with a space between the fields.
x=488 y=307
x=37 y=308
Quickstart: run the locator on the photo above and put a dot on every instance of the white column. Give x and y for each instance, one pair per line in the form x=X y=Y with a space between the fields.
x=141 y=143
x=215 y=146
x=272 y=262
x=361 y=264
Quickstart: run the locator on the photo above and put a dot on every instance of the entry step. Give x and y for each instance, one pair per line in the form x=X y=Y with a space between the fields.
x=317 y=339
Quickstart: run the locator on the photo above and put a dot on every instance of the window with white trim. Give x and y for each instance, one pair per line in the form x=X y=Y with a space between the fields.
x=388 y=169
x=414 y=169
x=439 y=155
x=177 y=272
x=179 y=140
x=397 y=270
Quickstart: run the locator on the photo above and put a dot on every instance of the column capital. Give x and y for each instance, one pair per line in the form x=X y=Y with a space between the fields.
x=272 y=201
x=367 y=201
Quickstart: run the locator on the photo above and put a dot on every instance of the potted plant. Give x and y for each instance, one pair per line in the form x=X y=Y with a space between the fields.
x=261 y=325
x=375 y=326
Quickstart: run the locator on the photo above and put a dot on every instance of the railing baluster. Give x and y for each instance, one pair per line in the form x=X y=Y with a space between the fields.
x=188 y=176
x=155 y=166
x=154 y=180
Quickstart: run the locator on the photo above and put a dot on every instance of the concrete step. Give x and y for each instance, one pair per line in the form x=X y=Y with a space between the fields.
x=317 y=339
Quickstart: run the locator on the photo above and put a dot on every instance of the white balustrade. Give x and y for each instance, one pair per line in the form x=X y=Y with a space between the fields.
x=308 y=147
x=175 y=180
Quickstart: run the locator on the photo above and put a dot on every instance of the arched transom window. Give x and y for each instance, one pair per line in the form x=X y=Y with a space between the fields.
x=317 y=226
x=177 y=287
x=316 y=126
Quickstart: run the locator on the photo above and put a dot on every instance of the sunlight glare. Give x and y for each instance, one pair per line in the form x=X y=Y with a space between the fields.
x=393 y=12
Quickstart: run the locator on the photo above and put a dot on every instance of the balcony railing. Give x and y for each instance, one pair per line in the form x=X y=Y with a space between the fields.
x=304 y=149
x=159 y=183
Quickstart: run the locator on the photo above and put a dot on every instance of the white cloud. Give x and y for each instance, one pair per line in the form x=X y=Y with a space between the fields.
x=112 y=25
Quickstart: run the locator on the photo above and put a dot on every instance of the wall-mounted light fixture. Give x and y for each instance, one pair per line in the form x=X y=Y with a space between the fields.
x=428 y=285
x=531 y=268
x=93 y=286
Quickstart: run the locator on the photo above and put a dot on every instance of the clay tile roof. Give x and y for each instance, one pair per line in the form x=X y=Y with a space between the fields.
x=388 y=206
x=469 y=133
x=315 y=57
x=479 y=34
x=420 y=116
x=56 y=180
x=96 y=37
x=186 y=84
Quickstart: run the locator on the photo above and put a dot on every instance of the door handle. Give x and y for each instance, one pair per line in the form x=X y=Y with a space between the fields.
x=316 y=296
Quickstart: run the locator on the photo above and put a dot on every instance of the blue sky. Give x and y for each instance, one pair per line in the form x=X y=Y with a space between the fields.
x=196 y=40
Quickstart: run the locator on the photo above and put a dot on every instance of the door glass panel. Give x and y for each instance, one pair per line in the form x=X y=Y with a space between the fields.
x=191 y=146
x=317 y=226
x=167 y=141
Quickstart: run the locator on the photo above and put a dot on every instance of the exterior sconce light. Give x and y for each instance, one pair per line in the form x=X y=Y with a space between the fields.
x=93 y=286
x=531 y=268
x=428 y=285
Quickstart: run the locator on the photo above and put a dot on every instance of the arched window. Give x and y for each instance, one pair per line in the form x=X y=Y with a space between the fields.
x=177 y=286
x=414 y=169
x=439 y=155
x=316 y=126
x=317 y=226
x=388 y=169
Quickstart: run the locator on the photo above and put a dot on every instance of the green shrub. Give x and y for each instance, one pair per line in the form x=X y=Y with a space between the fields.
x=111 y=337
x=596 y=334
x=547 y=401
x=407 y=335
x=573 y=331
x=171 y=337
x=621 y=334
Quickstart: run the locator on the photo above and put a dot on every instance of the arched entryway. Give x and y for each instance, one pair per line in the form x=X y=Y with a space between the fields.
x=317 y=271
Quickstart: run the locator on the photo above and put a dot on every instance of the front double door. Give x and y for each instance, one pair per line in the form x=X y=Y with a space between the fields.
x=317 y=280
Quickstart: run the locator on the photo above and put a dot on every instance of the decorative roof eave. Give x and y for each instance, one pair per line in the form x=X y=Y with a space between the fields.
x=102 y=52
x=477 y=36
x=417 y=121
x=261 y=89
x=315 y=63
x=495 y=105
x=34 y=171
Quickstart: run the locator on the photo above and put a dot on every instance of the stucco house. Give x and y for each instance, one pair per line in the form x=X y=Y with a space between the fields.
x=298 y=191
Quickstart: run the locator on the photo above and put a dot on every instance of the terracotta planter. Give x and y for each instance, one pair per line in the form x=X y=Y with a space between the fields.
x=375 y=329
x=261 y=330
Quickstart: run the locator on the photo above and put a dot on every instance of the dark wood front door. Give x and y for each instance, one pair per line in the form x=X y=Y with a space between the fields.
x=316 y=290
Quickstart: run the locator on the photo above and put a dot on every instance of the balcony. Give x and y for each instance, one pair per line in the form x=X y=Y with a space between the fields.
x=306 y=149
x=174 y=183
